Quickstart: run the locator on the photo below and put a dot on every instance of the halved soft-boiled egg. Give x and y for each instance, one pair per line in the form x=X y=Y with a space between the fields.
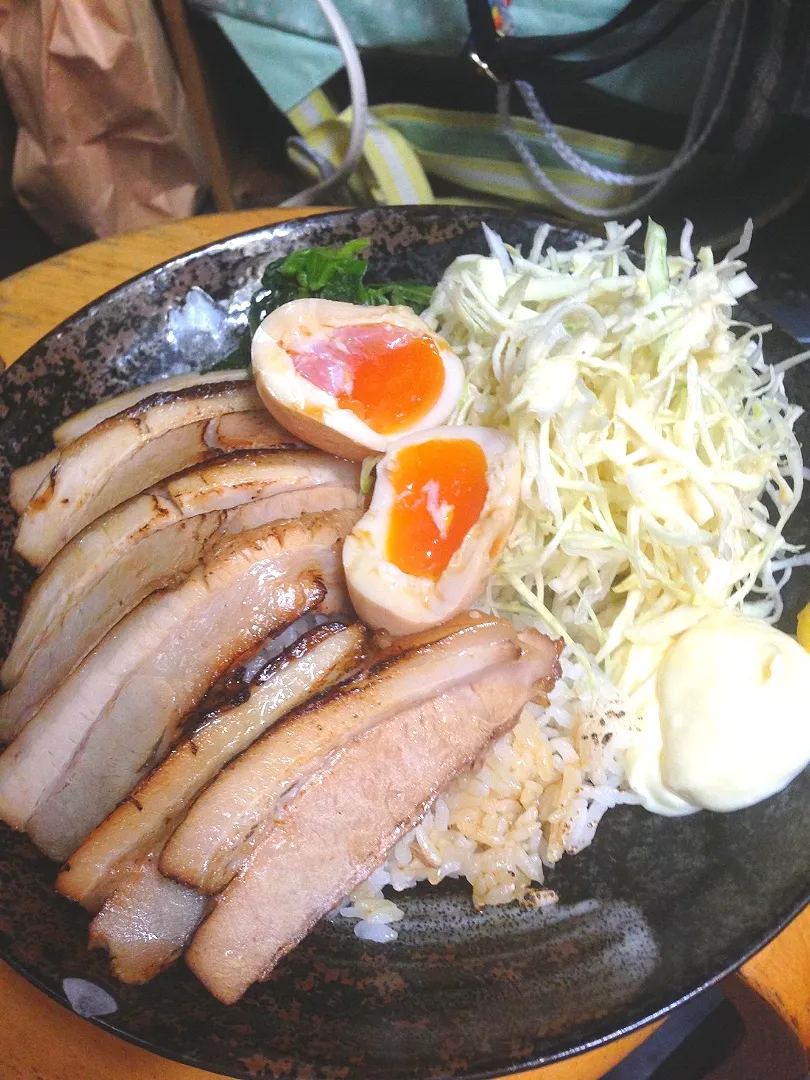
x=349 y=379
x=443 y=506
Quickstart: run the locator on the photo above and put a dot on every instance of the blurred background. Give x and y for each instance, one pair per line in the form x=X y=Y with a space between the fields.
x=119 y=114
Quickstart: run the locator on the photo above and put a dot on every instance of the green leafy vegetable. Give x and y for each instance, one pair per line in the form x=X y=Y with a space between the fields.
x=407 y=293
x=236 y=360
x=333 y=274
x=367 y=470
x=328 y=274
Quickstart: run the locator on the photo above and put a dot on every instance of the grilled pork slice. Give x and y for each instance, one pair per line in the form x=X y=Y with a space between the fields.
x=125 y=454
x=233 y=431
x=147 y=543
x=147 y=921
x=54 y=659
x=248 y=430
x=340 y=825
x=80 y=423
x=93 y=753
x=145 y=926
x=214 y=839
x=146 y=818
x=115 y=716
x=26 y=479
x=135 y=931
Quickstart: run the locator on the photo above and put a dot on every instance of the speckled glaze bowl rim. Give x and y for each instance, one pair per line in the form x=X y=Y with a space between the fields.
x=640 y=1017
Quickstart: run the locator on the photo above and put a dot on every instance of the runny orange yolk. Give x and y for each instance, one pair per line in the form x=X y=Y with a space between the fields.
x=440 y=487
x=394 y=383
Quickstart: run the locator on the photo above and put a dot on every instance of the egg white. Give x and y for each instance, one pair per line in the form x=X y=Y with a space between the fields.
x=314 y=414
x=387 y=598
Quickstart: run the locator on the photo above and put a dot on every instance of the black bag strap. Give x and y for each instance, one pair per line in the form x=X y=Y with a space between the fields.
x=535 y=59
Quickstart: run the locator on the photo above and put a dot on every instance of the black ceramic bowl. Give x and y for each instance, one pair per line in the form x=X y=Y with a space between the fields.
x=652 y=912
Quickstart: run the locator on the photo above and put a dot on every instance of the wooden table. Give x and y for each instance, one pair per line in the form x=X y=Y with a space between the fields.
x=40 y=1039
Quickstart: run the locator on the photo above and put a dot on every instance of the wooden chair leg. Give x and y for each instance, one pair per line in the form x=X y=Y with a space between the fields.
x=770 y=1048
x=188 y=64
x=780 y=973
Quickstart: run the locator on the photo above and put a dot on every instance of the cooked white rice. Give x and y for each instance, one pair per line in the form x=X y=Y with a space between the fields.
x=539 y=793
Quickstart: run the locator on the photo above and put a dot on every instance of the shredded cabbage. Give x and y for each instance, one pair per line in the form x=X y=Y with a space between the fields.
x=659 y=459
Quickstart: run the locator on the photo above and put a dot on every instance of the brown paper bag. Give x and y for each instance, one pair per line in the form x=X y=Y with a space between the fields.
x=106 y=142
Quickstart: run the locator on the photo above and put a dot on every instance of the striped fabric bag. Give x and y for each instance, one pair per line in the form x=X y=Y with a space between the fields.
x=728 y=73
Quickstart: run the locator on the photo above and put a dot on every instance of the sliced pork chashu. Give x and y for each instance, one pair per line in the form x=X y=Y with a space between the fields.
x=126 y=454
x=80 y=423
x=214 y=839
x=146 y=543
x=145 y=926
x=268 y=578
x=75 y=761
x=115 y=716
x=340 y=825
x=252 y=430
x=247 y=430
x=139 y=938
x=146 y=818
x=26 y=479
x=147 y=919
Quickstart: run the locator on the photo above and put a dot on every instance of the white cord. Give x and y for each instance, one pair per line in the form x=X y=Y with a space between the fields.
x=693 y=141
x=359 y=100
x=571 y=157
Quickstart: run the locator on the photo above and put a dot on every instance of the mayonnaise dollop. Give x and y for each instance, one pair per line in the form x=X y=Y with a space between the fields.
x=725 y=719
